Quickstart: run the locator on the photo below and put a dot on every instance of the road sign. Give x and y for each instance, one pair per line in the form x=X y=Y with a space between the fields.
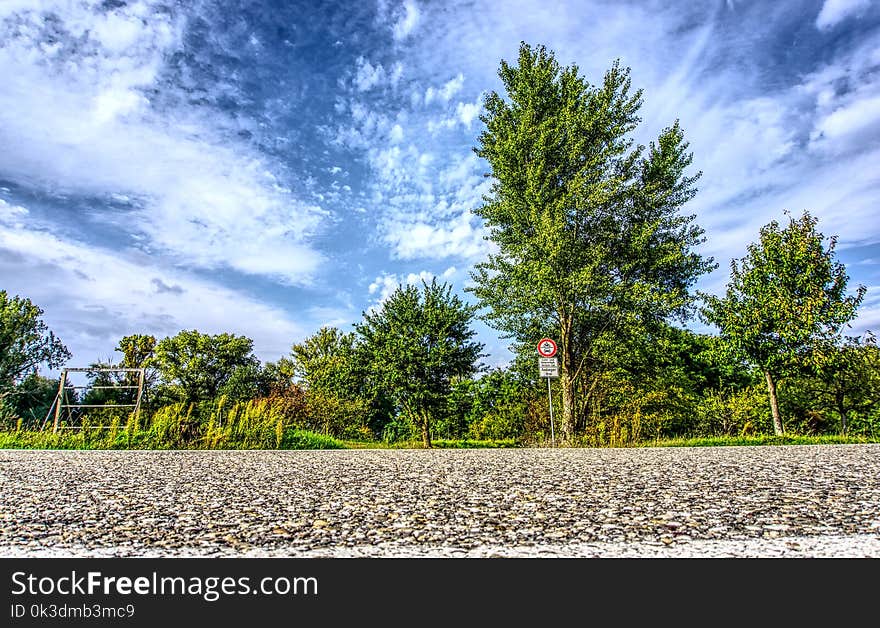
x=548 y=367
x=546 y=348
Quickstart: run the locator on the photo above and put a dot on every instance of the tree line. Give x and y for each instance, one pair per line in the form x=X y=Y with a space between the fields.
x=590 y=248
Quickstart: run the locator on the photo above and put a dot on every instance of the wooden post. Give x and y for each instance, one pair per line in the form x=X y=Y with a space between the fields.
x=140 y=391
x=59 y=400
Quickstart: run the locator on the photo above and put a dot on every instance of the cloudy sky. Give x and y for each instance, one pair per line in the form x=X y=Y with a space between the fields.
x=267 y=167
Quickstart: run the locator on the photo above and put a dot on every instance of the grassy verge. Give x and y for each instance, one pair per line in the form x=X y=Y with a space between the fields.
x=437 y=444
x=766 y=439
x=106 y=439
x=301 y=439
x=476 y=444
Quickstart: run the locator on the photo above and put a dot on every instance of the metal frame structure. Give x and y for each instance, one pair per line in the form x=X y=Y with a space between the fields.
x=63 y=387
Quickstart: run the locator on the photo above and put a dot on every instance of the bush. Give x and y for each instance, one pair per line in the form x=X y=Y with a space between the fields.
x=400 y=428
x=9 y=416
x=734 y=413
x=301 y=439
x=498 y=425
x=265 y=423
x=336 y=416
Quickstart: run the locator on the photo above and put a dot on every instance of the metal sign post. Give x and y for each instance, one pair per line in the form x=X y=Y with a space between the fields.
x=548 y=367
x=550 y=397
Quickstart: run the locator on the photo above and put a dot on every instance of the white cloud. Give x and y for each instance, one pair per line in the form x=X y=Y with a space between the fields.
x=385 y=284
x=440 y=124
x=739 y=145
x=835 y=11
x=368 y=76
x=458 y=236
x=13 y=215
x=396 y=135
x=468 y=112
x=77 y=120
x=367 y=126
x=464 y=114
x=118 y=32
x=845 y=97
x=445 y=93
x=424 y=200
x=460 y=174
x=408 y=20
x=413 y=279
x=330 y=317
x=858 y=116
x=869 y=314
x=396 y=73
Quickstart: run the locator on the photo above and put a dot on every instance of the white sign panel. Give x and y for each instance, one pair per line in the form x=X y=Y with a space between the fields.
x=548 y=367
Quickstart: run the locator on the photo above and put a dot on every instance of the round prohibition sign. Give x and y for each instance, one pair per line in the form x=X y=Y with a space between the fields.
x=546 y=348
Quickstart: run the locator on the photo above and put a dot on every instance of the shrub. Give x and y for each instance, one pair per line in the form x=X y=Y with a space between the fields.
x=337 y=416
x=734 y=413
x=301 y=439
x=9 y=416
x=399 y=428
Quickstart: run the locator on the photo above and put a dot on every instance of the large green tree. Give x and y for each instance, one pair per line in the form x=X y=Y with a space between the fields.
x=590 y=244
x=417 y=343
x=786 y=299
x=199 y=365
x=25 y=341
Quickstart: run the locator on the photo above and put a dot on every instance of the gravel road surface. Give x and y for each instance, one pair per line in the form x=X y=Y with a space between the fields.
x=808 y=501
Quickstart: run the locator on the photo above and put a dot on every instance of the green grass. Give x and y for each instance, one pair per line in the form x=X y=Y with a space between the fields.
x=104 y=439
x=437 y=444
x=121 y=438
x=764 y=439
x=475 y=444
x=220 y=424
x=301 y=439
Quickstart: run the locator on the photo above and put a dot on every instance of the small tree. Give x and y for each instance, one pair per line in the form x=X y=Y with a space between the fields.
x=278 y=378
x=416 y=344
x=25 y=341
x=138 y=351
x=326 y=361
x=338 y=393
x=31 y=400
x=199 y=365
x=849 y=377
x=784 y=299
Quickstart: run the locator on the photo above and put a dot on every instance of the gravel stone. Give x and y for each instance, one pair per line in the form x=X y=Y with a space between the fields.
x=805 y=501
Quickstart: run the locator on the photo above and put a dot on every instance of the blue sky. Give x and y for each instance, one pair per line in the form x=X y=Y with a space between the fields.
x=268 y=167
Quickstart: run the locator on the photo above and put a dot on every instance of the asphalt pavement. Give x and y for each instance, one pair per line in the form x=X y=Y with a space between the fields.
x=804 y=501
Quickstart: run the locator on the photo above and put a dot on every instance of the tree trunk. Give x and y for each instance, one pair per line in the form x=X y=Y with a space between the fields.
x=568 y=425
x=426 y=431
x=774 y=405
x=841 y=408
x=566 y=381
